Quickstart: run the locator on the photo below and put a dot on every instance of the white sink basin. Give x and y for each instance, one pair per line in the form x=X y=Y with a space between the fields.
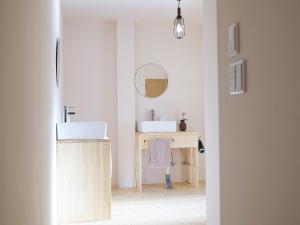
x=81 y=130
x=156 y=126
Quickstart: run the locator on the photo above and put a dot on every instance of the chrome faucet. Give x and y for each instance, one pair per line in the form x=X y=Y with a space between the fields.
x=67 y=113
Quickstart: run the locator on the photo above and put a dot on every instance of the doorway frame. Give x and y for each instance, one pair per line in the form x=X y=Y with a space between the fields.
x=211 y=110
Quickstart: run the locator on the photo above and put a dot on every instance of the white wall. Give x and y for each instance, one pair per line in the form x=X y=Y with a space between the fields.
x=100 y=59
x=28 y=116
x=126 y=102
x=59 y=90
x=183 y=61
x=259 y=131
x=89 y=59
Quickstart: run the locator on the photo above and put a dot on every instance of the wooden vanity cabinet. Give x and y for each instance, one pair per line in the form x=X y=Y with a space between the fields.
x=83 y=181
x=187 y=141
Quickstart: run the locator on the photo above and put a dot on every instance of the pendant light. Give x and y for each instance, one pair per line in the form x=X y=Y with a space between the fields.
x=179 y=28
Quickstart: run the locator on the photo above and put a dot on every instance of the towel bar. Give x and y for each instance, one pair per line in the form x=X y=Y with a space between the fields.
x=172 y=139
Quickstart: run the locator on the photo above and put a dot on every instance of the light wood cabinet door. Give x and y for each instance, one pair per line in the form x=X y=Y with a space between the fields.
x=83 y=181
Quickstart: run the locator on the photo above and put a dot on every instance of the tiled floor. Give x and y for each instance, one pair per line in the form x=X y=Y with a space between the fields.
x=184 y=205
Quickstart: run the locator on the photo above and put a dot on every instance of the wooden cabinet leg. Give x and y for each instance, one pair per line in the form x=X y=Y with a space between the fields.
x=188 y=166
x=195 y=167
x=138 y=168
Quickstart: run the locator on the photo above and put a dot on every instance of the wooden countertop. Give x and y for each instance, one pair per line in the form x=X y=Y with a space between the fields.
x=83 y=141
x=169 y=133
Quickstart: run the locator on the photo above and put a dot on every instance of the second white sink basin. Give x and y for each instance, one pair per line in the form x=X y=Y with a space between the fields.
x=81 y=130
x=156 y=126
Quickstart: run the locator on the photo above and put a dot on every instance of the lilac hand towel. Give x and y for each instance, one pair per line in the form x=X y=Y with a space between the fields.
x=160 y=153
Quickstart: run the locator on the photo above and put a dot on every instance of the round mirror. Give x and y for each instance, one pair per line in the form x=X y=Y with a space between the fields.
x=151 y=80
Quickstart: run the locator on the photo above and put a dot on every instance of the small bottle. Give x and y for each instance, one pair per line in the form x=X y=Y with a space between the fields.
x=182 y=124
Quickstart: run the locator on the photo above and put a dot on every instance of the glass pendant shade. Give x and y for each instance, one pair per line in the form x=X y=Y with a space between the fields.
x=179 y=27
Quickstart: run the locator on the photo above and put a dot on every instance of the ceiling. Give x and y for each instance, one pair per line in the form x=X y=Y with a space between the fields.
x=140 y=10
